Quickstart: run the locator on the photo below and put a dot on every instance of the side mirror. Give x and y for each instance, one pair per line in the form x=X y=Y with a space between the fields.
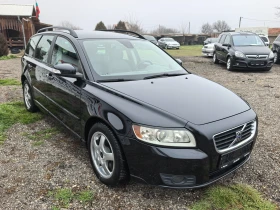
x=179 y=61
x=66 y=68
x=227 y=45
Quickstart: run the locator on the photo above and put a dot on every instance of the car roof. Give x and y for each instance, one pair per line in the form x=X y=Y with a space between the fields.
x=239 y=33
x=83 y=34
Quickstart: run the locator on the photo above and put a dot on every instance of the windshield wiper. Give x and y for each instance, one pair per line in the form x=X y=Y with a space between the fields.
x=113 y=80
x=163 y=75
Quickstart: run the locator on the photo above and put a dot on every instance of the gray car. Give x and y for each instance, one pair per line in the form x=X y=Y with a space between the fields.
x=151 y=39
x=168 y=43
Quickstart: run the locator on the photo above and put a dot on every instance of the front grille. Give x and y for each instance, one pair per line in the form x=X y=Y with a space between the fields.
x=234 y=137
x=257 y=56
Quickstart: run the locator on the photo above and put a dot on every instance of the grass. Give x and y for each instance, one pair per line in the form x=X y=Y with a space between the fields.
x=5 y=82
x=234 y=197
x=7 y=57
x=189 y=50
x=12 y=113
x=65 y=196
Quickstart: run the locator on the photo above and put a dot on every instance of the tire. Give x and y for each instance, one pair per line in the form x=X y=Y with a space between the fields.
x=28 y=98
x=215 y=60
x=110 y=169
x=229 y=64
x=165 y=47
x=276 y=58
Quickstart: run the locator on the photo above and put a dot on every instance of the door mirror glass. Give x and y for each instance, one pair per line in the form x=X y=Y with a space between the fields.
x=66 y=68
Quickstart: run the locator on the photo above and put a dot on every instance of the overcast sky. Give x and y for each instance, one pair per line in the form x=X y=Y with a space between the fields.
x=152 y=13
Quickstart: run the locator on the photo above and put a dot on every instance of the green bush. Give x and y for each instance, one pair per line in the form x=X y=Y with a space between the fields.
x=3 y=46
x=121 y=26
x=100 y=26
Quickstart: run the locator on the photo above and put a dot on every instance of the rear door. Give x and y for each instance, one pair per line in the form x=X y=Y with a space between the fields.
x=40 y=70
x=65 y=92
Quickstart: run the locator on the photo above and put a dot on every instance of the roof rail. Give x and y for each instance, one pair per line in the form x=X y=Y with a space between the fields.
x=71 y=31
x=125 y=32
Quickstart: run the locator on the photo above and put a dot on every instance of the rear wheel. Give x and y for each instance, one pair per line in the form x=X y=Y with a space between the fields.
x=215 y=60
x=28 y=98
x=105 y=155
x=229 y=64
x=166 y=47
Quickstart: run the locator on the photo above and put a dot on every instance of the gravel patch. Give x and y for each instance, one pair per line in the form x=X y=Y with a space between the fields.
x=28 y=172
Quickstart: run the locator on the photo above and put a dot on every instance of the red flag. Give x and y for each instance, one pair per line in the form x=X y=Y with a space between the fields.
x=37 y=10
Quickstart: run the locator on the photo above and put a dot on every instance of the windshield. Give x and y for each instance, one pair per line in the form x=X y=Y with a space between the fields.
x=247 y=40
x=128 y=59
x=169 y=39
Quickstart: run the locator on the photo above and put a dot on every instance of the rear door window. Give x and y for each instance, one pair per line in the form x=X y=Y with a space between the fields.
x=31 y=45
x=43 y=48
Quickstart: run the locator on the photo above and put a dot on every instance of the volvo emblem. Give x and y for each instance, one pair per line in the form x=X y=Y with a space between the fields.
x=238 y=136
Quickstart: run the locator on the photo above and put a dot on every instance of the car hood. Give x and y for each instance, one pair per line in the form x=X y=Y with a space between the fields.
x=254 y=50
x=189 y=97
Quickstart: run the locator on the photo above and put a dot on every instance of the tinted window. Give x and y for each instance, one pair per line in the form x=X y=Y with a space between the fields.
x=31 y=45
x=222 y=39
x=264 y=38
x=247 y=40
x=64 y=52
x=43 y=47
x=227 y=40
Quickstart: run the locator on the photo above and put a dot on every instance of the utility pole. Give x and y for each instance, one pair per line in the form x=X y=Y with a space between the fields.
x=189 y=27
x=240 y=21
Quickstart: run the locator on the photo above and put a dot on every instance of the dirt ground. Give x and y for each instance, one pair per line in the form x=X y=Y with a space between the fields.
x=28 y=173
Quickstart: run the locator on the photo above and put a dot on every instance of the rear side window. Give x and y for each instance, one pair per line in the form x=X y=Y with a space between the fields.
x=31 y=45
x=43 y=48
x=221 y=41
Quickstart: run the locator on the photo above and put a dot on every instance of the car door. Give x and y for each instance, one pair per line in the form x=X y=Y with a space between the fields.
x=65 y=97
x=218 y=47
x=225 y=48
x=39 y=69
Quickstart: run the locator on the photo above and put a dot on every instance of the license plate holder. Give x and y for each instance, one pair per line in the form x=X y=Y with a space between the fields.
x=257 y=63
x=232 y=157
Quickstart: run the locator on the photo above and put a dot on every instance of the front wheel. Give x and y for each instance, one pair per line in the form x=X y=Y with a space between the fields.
x=28 y=97
x=215 y=60
x=105 y=155
x=229 y=64
x=276 y=59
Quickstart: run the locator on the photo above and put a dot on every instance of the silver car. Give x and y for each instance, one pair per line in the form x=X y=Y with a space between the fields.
x=208 y=48
x=168 y=43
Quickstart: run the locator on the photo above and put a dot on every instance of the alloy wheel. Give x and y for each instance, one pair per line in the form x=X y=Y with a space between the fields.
x=27 y=96
x=275 y=57
x=102 y=155
x=228 y=64
x=214 y=57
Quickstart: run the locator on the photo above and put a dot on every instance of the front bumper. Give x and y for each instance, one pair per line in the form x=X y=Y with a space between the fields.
x=246 y=63
x=185 y=167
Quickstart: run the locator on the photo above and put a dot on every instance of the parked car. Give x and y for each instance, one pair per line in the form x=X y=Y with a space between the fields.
x=243 y=50
x=208 y=48
x=276 y=49
x=151 y=39
x=265 y=39
x=141 y=114
x=210 y=41
x=168 y=43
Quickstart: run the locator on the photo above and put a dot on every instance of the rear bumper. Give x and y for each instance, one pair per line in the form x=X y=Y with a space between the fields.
x=207 y=52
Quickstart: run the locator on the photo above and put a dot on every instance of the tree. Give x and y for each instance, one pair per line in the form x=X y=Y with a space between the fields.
x=164 y=30
x=68 y=24
x=206 y=28
x=100 y=26
x=278 y=12
x=121 y=26
x=3 y=46
x=184 y=27
x=220 y=26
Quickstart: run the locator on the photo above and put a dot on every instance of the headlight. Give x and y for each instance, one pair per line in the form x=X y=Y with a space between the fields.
x=239 y=54
x=271 y=55
x=175 y=138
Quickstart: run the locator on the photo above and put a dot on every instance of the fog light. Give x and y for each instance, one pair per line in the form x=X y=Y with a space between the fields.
x=177 y=179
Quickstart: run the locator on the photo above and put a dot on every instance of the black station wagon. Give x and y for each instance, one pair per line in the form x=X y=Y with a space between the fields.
x=140 y=113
